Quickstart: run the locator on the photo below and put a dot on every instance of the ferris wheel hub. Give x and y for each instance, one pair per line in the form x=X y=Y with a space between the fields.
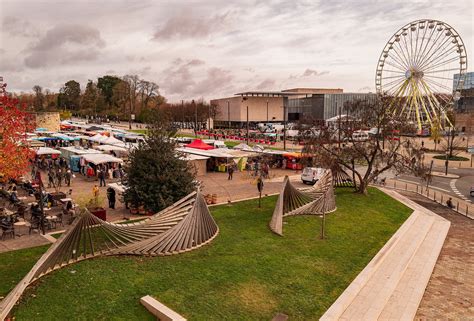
x=414 y=74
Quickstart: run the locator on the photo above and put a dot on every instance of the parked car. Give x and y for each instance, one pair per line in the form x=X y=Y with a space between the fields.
x=311 y=175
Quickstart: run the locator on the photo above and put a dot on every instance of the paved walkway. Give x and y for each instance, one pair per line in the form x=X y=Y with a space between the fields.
x=391 y=286
x=450 y=292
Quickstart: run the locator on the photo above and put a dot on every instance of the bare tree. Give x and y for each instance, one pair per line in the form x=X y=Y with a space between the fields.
x=343 y=142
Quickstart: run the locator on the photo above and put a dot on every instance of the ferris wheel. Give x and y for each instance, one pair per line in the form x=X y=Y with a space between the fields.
x=417 y=67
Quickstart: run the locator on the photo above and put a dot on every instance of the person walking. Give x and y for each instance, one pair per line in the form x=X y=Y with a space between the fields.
x=50 y=178
x=67 y=177
x=111 y=197
x=59 y=175
x=231 y=172
x=82 y=166
x=101 y=175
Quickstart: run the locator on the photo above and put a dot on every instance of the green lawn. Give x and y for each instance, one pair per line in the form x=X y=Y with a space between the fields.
x=246 y=273
x=139 y=131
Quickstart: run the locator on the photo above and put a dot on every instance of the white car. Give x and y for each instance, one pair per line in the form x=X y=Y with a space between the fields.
x=311 y=175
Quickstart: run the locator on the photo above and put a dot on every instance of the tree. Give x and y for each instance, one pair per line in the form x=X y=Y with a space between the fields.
x=337 y=144
x=106 y=86
x=89 y=98
x=38 y=103
x=71 y=95
x=435 y=133
x=157 y=175
x=15 y=122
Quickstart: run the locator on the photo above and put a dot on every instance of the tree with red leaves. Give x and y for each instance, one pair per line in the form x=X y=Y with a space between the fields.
x=15 y=122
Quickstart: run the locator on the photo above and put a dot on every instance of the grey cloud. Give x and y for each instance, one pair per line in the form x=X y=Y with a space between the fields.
x=182 y=78
x=65 y=43
x=18 y=27
x=266 y=84
x=188 y=25
x=195 y=62
x=216 y=79
x=311 y=72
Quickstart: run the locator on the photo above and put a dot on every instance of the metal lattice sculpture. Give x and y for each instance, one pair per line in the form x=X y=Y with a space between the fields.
x=340 y=177
x=310 y=201
x=184 y=226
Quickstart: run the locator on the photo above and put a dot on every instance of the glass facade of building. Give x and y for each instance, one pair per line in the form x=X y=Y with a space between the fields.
x=323 y=106
x=468 y=81
x=334 y=103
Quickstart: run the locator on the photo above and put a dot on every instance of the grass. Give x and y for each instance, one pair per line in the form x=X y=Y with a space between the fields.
x=139 y=131
x=452 y=158
x=246 y=273
x=15 y=265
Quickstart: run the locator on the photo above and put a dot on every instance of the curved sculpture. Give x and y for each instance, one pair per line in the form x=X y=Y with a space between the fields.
x=195 y=230
x=181 y=227
x=340 y=177
x=309 y=201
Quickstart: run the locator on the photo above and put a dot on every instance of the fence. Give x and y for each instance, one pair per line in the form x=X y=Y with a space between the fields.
x=462 y=207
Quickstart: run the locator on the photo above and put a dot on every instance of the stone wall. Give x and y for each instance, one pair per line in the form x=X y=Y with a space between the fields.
x=49 y=120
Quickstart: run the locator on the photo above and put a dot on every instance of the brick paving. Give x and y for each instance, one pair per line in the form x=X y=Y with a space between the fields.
x=449 y=294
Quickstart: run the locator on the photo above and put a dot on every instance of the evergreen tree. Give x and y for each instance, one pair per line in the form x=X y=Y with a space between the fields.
x=157 y=176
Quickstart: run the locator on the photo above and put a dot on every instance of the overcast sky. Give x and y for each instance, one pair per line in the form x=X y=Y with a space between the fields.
x=211 y=48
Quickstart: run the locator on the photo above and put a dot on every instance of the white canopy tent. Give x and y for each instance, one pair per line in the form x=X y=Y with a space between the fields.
x=109 y=148
x=47 y=151
x=101 y=159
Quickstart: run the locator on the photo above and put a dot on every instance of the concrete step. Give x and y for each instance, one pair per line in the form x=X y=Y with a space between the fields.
x=392 y=284
x=406 y=298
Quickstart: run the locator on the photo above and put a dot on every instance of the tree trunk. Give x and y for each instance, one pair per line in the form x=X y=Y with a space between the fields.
x=362 y=188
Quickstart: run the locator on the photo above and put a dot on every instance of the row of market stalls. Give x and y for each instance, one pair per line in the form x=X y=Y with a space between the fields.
x=219 y=159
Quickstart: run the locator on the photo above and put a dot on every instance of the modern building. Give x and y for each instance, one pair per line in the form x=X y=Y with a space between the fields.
x=465 y=105
x=276 y=106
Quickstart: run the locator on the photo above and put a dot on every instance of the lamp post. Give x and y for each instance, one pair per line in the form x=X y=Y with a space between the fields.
x=267 y=111
x=182 y=110
x=284 y=125
x=446 y=163
x=247 y=124
x=228 y=113
x=195 y=117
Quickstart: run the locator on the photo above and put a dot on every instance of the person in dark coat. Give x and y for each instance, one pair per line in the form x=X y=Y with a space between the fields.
x=231 y=172
x=111 y=197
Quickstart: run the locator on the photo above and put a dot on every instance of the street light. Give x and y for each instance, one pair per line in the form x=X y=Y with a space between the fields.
x=267 y=111
x=228 y=112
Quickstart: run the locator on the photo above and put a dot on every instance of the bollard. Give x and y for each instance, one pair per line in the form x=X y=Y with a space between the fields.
x=406 y=186
x=434 y=196
x=417 y=189
x=441 y=198
x=457 y=206
x=467 y=210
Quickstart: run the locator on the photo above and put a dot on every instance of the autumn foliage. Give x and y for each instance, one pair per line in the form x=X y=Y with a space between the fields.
x=15 y=122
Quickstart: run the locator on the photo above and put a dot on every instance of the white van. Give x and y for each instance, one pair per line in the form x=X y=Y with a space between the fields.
x=311 y=175
x=360 y=136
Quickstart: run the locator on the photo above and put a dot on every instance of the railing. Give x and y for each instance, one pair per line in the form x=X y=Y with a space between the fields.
x=460 y=206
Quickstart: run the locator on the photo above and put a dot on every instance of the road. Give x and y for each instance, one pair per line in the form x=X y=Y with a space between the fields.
x=458 y=187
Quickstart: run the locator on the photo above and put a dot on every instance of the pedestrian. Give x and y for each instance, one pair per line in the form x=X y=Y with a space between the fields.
x=82 y=166
x=95 y=191
x=449 y=203
x=111 y=197
x=101 y=175
x=67 y=177
x=50 y=178
x=231 y=172
x=59 y=176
